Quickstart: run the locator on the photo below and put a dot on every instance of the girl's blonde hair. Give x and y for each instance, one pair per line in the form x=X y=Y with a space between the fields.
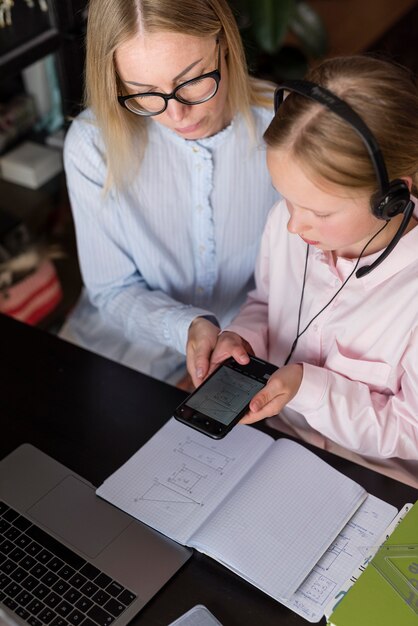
x=113 y=22
x=384 y=94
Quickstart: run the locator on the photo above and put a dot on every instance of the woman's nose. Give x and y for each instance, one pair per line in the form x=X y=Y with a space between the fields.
x=176 y=110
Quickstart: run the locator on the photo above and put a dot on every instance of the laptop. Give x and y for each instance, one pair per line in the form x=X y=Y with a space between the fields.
x=69 y=558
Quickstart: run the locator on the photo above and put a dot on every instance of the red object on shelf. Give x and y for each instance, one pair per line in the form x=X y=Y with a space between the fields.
x=34 y=297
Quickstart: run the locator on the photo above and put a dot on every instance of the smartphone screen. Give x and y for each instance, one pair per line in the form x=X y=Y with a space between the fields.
x=225 y=394
x=223 y=398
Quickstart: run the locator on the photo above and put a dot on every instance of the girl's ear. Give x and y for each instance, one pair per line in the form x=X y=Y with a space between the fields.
x=408 y=181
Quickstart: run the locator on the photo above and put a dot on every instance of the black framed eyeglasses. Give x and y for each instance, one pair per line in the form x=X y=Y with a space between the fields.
x=194 y=91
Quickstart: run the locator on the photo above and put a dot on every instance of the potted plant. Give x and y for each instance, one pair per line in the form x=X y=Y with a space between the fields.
x=280 y=36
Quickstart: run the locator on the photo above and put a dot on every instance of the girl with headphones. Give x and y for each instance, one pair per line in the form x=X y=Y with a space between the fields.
x=336 y=299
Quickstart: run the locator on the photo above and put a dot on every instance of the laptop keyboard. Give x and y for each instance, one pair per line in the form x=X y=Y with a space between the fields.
x=44 y=582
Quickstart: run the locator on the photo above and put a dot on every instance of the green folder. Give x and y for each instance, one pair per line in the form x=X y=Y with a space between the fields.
x=386 y=593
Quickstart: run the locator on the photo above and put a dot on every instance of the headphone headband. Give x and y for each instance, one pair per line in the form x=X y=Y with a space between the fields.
x=343 y=110
x=393 y=197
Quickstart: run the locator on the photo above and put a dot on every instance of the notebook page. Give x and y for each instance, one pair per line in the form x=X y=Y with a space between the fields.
x=179 y=476
x=368 y=553
x=280 y=520
x=342 y=557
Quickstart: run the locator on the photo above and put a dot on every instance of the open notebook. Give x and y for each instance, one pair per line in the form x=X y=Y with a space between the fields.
x=271 y=511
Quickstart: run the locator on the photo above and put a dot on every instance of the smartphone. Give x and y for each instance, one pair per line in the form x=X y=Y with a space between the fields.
x=223 y=398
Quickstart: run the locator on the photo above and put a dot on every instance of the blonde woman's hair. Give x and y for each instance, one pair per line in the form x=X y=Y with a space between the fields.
x=384 y=94
x=113 y=22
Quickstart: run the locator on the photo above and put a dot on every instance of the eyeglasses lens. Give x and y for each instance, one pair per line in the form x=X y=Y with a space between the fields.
x=194 y=92
x=198 y=90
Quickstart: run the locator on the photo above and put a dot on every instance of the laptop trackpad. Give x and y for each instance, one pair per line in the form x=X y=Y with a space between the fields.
x=73 y=512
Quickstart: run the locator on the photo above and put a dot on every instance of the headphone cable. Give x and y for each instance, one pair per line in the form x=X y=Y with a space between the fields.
x=299 y=334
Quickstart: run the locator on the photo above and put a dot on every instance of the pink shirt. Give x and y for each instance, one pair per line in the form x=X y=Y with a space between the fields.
x=360 y=356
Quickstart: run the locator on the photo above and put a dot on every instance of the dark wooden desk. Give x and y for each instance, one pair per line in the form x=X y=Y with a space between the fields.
x=92 y=415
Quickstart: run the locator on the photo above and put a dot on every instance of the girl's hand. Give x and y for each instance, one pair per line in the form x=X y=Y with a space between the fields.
x=201 y=341
x=282 y=386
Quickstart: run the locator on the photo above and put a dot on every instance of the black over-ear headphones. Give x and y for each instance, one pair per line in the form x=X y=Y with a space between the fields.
x=392 y=197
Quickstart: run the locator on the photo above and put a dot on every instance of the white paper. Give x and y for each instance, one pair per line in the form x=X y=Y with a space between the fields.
x=266 y=509
x=280 y=519
x=179 y=476
x=367 y=551
x=344 y=555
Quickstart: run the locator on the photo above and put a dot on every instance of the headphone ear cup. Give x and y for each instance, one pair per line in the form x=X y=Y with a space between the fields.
x=393 y=202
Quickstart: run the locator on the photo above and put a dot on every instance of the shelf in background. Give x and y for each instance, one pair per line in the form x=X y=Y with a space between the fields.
x=47 y=214
x=31 y=35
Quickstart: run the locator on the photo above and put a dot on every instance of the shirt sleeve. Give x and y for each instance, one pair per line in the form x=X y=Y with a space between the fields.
x=251 y=323
x=365 y=421
x=112 y=279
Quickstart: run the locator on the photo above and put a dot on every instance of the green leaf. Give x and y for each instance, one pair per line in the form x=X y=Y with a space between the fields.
x=309 y=29
x=270 y=22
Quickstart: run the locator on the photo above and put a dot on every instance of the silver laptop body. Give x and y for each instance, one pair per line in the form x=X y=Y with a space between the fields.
x=65 y=506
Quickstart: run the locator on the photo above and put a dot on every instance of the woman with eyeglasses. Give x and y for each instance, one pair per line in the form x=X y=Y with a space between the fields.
x=167 y=179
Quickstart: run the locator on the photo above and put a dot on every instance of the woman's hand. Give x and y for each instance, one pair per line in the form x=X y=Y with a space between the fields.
x=282 y=386
x=201 y=341
x=230 y=344
x=206 y=349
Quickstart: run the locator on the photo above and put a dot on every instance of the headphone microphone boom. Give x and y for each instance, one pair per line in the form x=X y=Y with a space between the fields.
x=408 y=212
x=393 y=197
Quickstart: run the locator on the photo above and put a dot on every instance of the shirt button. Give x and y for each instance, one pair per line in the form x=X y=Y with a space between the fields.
x=199 y=290
x=195 y=149
x=198 y=166
x=202 y=248
x=315 y=328
x=199 y=208
x=337 y=283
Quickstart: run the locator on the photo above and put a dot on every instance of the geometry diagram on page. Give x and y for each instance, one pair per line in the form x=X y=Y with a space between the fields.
x=317 y=587
x=204 y=454
x=166 y=495
x=338 y=547
x=185 y=478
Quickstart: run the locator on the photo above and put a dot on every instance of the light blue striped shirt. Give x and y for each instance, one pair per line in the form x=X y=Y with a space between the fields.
x=178 y=242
